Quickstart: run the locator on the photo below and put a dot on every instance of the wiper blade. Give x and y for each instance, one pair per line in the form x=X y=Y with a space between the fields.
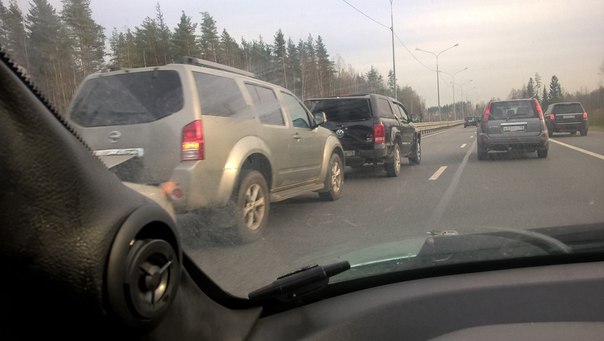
x=300 y=282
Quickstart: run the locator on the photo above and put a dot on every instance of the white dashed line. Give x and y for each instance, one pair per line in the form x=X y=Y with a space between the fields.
x=438 y=173
x=581 y=150
x=471 y=136
x=463 y=145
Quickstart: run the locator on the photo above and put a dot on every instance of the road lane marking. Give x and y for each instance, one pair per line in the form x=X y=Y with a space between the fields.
x=438 y=173
x=581 y=150
x=471 y=136
x=463 y=145
x=434 y=221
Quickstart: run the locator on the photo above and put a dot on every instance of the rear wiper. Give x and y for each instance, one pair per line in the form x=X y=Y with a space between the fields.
x=301 y=282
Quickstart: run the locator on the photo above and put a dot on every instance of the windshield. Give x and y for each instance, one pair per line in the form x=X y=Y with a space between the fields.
x=232 y=141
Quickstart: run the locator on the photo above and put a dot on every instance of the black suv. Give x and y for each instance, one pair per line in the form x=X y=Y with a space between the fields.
x=470 y=121
x=566 y=116
x=372 y=129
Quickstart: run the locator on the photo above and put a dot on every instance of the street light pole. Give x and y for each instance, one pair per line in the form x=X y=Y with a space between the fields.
x=393 y=59
x=437 y=73
x=463 y=107
x=453 y=84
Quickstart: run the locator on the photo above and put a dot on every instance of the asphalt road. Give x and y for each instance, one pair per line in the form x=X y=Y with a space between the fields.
x=450 y=189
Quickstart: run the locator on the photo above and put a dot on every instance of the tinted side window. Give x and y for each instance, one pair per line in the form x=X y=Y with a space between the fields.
x=219 y=96
x=296 y=111
x=402 y=112
x=131 y=98
x=266 y=105
x=342 y=110
x=384 y=108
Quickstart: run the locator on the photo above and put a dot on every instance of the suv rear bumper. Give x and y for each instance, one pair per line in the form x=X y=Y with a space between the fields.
x=567 y=126
x=529 y=143
x=361 y=156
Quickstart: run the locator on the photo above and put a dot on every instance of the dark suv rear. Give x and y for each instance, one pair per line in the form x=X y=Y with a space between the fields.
x=372 y=129
x=566 y=117
x=513 y=125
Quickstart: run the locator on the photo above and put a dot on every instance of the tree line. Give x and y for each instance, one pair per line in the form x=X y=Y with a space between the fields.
x=60 y=48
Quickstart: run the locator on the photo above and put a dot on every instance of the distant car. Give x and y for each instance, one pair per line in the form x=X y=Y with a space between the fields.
x=470 y=121
x=372 y=129
x=513 y=125
x=209 y=135
x=566 y=117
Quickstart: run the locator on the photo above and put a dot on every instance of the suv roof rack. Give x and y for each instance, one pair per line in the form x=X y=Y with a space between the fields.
x=213 y=65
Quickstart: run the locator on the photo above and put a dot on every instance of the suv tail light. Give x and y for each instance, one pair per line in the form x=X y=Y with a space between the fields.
x=192 y=142
x=487 y=113
x=538 y=107
x=552 y=117
x=379 y=133
x=584 y=115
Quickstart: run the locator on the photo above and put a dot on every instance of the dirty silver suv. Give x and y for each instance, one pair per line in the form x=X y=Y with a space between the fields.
x=210 y=136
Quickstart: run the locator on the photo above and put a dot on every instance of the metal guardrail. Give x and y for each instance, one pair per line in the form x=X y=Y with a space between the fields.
x=428 y=127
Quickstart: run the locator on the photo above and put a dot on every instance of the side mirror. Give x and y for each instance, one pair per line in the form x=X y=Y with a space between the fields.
x=414 y=118
x=320 y=118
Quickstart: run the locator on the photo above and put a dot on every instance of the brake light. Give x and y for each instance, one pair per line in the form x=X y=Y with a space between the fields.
x=487 y=113
x=192 y=141
x=379 y=133
x=552 y=117
x=538 y=107
x=584 y=115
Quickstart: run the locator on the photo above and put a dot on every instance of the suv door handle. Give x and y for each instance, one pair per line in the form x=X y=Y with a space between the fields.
x=297 y=137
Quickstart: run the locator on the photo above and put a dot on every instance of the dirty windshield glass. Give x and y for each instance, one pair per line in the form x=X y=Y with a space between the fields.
x=260 y=185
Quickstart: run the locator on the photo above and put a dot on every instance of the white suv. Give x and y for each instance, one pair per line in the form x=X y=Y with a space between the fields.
x=210 y=136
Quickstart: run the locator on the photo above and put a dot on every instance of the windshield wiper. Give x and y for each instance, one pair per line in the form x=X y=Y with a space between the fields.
x=300 y=282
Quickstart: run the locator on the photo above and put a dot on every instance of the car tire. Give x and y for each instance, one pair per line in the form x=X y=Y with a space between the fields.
x=393 y=166
x=482 y=153
x=416 y=157
x=252 y=206
x=584 y=132
x=334 y=180
x=542 y=153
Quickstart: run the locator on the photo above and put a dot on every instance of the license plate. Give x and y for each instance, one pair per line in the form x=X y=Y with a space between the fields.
x=568 y=116
x=349 y=153
x=513 y=128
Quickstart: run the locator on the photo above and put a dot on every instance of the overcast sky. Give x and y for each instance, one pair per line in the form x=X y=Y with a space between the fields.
x=503 y=43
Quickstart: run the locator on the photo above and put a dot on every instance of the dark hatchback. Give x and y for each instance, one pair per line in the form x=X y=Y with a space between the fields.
x=372 y=129
x=566 y=117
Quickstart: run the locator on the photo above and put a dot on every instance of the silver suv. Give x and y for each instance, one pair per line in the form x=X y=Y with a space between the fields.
x=210 y=136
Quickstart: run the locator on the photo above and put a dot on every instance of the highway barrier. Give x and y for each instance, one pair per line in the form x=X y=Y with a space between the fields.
x=428 y=127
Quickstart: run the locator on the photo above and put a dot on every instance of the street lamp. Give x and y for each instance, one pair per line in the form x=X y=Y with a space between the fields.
x=463 y=107
x=453 y=85
x=437 y=72
x=393 y=60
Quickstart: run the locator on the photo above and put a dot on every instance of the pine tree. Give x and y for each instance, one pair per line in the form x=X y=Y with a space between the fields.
x=229 y=50
x=324 y=66
x=293 y=67
x=87 y=36
x=545 y=98
x=51 y=55
x=13 y=33
x=280 y=52
x=163 y=37
x=375 y=81
x=530 y=88
x=183 y=40
x=555 y=90
x=209 y=40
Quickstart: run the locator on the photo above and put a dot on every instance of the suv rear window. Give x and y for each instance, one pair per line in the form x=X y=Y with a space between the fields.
x=571 y=108
x=513 y=109
x=342 y=110
x=129 y=98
